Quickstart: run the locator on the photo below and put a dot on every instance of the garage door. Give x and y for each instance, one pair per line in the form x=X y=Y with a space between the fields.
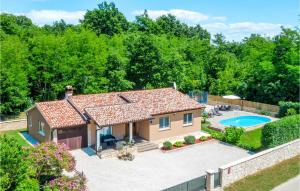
x=74 y=138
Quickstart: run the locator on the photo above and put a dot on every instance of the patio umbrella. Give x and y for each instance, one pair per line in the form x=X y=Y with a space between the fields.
x=231 y=97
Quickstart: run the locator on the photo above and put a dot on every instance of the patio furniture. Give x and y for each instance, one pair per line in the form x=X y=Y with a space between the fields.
x=215 y=113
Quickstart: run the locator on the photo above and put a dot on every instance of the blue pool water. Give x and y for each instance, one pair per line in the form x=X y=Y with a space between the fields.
x=245 y=121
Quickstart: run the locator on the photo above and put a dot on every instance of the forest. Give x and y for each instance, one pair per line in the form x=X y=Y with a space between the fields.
x=106 y=52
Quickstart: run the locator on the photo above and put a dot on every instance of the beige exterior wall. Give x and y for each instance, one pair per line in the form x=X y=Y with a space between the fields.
x=143 y=129
x=176 y=125
x=118 y=131
x=33 y=131
x=151 y=131
x=91 y=128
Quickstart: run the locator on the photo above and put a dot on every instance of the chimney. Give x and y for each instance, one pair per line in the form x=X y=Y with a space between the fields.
x=174 y=85
x=68 y=91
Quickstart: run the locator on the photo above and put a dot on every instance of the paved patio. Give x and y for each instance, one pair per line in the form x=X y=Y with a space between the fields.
x=214 y=121
x=155 y=170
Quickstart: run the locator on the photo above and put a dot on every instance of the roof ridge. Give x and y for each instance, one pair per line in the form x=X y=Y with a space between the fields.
x=120 y=92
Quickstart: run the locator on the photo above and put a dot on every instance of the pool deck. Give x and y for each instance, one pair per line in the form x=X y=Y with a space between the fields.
x=214 y=121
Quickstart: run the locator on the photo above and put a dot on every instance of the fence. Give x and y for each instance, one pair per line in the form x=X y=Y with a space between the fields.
x=213 y=100
x=199 y=96
x=197 y=184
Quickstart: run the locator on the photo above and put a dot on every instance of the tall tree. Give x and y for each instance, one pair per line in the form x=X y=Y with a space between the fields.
x=105 y=20
x=13 y=76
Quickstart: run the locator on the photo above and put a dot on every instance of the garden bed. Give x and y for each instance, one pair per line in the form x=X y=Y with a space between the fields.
x=184 y=145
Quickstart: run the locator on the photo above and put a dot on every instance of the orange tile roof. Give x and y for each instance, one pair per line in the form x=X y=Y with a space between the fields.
x=60 y=114
x=96 y=100
x=116 y=107
x=164 y=100
x=116 y=114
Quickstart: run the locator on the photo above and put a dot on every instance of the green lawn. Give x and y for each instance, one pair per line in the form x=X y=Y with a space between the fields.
x=15 y=134
x=252 y=139
x=269 y=178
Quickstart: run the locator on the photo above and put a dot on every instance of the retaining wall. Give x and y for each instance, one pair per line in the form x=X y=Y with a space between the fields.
x=13 y=125
x=239 y=169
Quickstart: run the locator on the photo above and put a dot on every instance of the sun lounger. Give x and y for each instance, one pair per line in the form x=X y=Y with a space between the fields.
x=215 y=113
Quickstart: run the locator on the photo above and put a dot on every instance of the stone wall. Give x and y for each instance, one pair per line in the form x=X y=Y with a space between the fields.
x=239 y=169
x=13 y=125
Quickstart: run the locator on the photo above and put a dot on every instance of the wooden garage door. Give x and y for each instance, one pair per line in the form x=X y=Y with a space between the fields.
x=74 y=138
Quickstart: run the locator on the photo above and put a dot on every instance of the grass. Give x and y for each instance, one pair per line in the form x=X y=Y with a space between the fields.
x=15 y=134
x=252 y=139
x=269 y=178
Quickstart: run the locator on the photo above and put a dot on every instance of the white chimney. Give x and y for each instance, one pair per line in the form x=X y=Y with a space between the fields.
x=68 y=91
x=174 y=85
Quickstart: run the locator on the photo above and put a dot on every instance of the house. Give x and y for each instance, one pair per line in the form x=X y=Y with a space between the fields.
x=83 y=120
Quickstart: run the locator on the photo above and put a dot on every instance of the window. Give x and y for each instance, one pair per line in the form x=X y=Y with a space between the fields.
x=42 y=128
x=164 y=122
x=188 y=119
x=106 y=131
x=29 y=122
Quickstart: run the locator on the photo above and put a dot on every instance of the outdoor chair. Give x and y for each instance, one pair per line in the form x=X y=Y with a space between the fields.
x=215 y=113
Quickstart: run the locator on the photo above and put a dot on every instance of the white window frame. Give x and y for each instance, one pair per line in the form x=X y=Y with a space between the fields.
x=164 y=127
x=30 y=122
x=187 y=123
x=42 y=128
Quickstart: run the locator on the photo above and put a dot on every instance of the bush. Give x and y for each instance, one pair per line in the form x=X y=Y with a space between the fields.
x=284 y=106
x=58 y=159
x=233 y=134
x=281 y=131
x=75 y=183
x=167 y=145
x=264 y=113
x=14 y=166
x=190 y=139
x=28 y=184
x=291 y=111
x=178 y=144
x=203 y=138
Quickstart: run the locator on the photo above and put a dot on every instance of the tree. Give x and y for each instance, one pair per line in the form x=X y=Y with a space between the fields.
x=144 y=62
x=105 y=20
x=116 y=74
x=15 y=170
x=13 y=76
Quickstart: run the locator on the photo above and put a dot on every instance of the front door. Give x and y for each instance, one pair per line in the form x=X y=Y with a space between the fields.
x=134 y=130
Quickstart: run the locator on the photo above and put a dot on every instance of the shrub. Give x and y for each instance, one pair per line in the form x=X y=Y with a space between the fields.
x=284 y=106
x=178 y=144
x=281 y=131
x=264 y=112
x=189 y=139
x=14 y=166
x=291 y=111
x=233 y=134
x=203 y=138
x=167 y=145
x=28 y=184
x=75 y=183
x=58 y=159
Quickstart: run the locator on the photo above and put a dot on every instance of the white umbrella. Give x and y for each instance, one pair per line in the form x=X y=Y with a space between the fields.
x=231 y=97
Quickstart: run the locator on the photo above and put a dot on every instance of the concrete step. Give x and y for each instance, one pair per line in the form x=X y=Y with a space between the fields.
x=146 y=146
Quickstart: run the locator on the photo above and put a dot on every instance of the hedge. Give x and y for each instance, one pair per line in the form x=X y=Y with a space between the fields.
x=281 y=131
x=284 y=106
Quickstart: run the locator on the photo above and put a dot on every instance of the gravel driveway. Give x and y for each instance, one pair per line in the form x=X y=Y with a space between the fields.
x=155 y=170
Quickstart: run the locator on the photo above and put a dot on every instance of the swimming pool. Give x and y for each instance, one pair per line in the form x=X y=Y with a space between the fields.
x=245 y=121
